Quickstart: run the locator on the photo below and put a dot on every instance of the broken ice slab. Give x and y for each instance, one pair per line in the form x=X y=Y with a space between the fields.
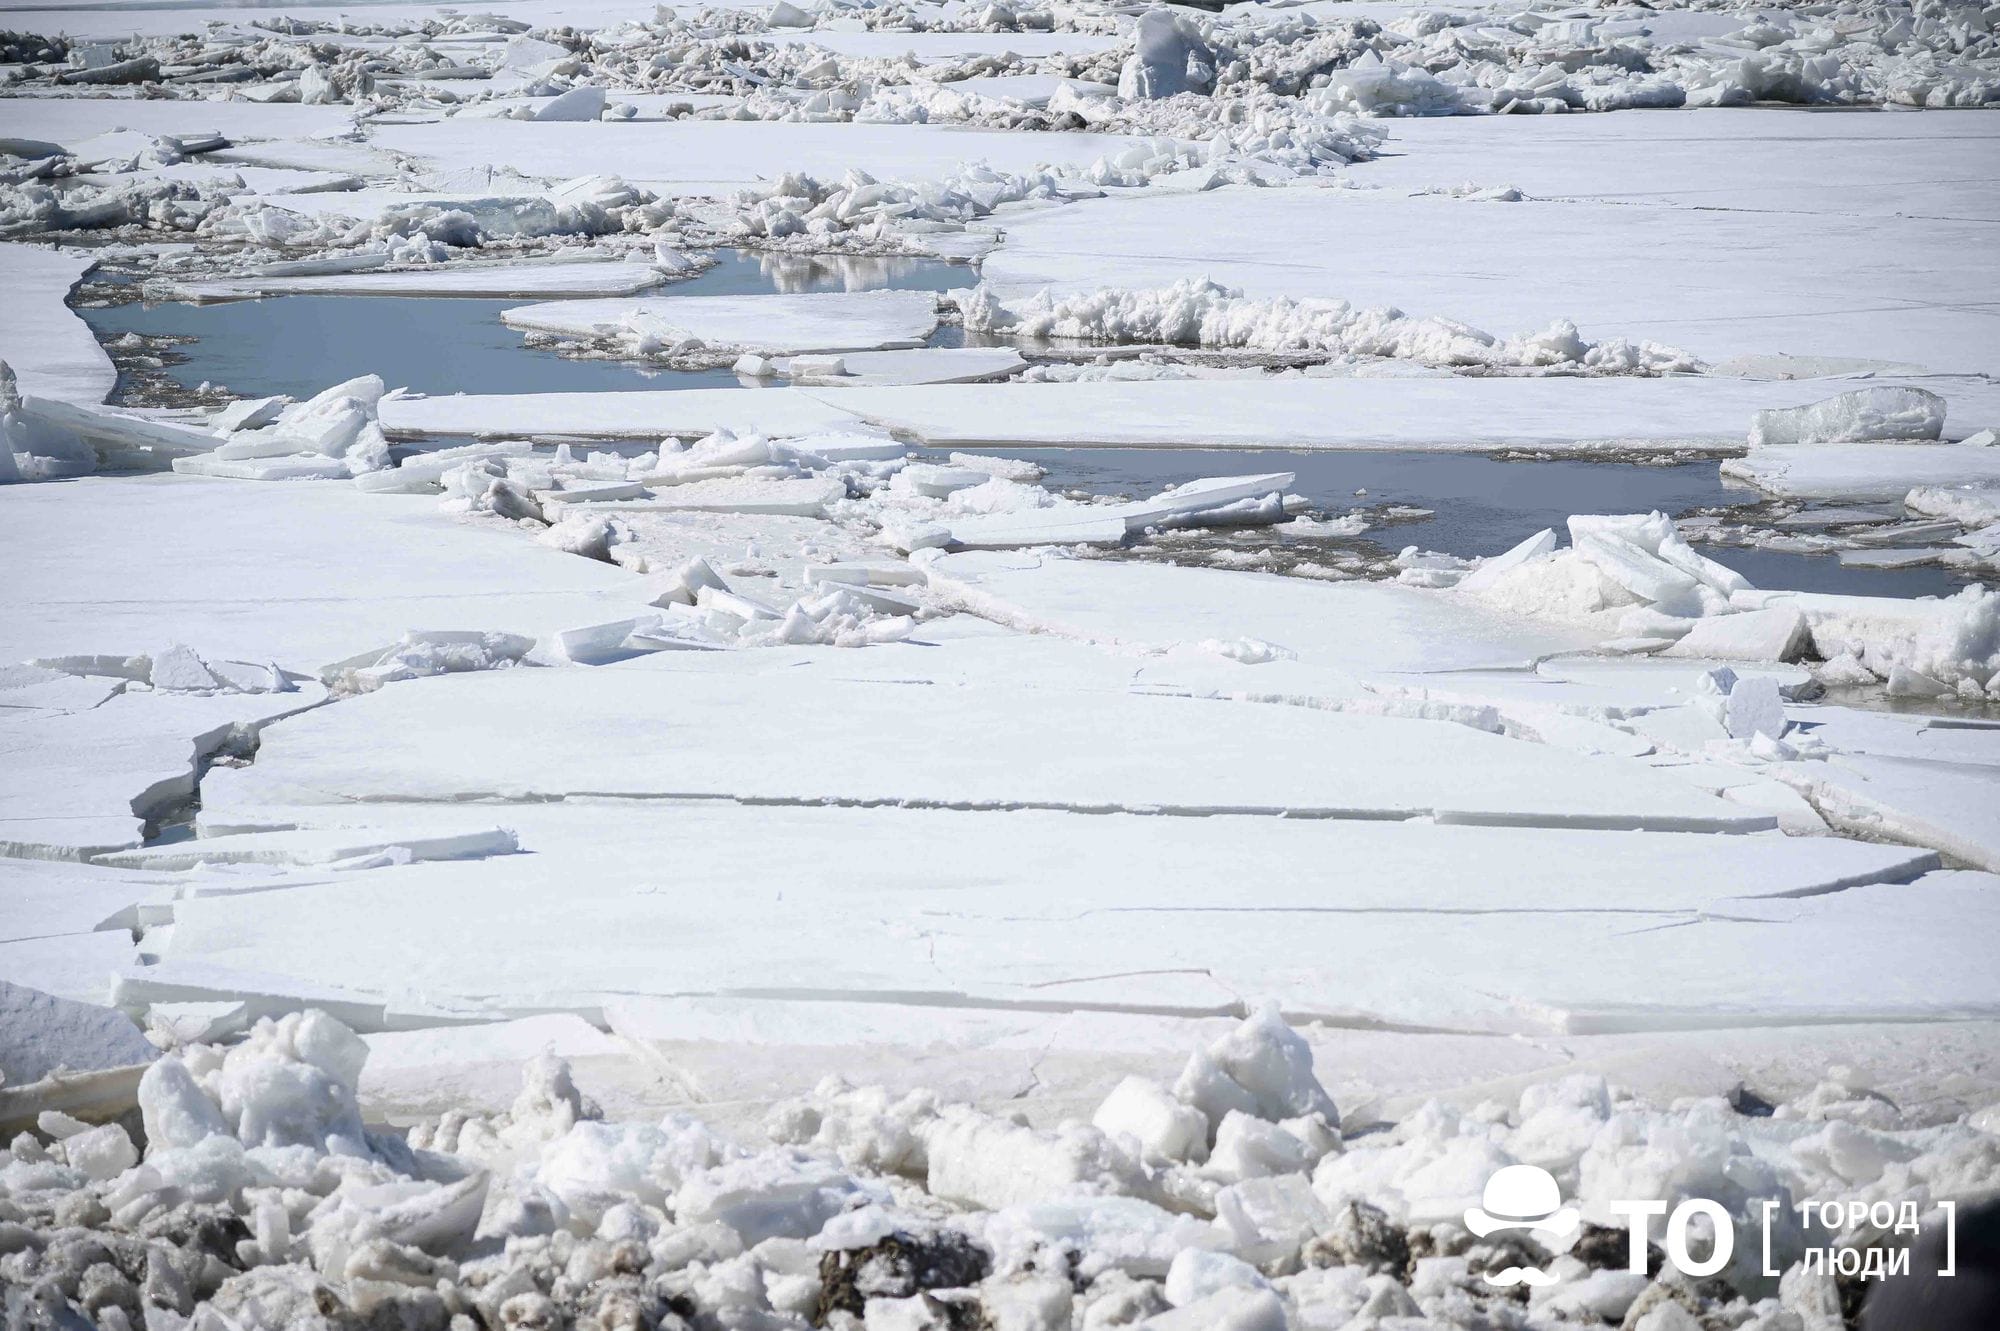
x=1863 y=414
x=1916 y=558
x=1095 y=523
x=1776 y=634
x=315 y=849
x=806 y=497
x=925 y=365
x=644 y=414
x=82 y=783
x=1351 y=626
x=419 y=473
x=1495 y=903
x=767 y=325
x=120 y=438
x=897 y=574
x=292 y=467
x=828 y=740
x=42 y=1035
x=591 y=277
x=1814 y=518
x=46 y=898
x=1863 y=472
x=1953 y=807
x=268 y=573
x=261 y=994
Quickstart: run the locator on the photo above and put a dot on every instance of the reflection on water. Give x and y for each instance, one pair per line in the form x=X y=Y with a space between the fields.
x=297 y=345
x=1480 y=505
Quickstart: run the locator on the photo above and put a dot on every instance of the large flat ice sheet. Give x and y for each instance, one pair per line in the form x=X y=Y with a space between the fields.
x=1403 y=923
x=1863 y=471
x=1942 y=166
x=780 y=738
x=634 y=414
x=1463 y=414
x=1744 y=281
x=51 y=351
x=774 y=325
x=302 y=574
x=712 y=157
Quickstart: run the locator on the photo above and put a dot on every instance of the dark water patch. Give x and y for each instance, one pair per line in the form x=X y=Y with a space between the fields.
x=298 y=345
x=1477 y=505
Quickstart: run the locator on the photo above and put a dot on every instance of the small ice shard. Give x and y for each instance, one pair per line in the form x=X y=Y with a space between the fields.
x=1541 y=543
x=247 y=414
x=1865 y=413
x=1982 y=439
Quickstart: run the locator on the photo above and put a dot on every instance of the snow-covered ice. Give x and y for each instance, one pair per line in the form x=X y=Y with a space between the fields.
x=811 y=838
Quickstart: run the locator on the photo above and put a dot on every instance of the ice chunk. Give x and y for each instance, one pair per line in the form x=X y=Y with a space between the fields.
x=1196 y=1274
x=1776 y=634
x=1865 y=413
x=41 y=1034
x=1161 y=66
x=1262 y=1067
x=1161 y=1125
x=584 y=102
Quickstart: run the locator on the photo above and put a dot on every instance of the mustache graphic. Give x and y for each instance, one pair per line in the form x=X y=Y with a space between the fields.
x=1520 y=1275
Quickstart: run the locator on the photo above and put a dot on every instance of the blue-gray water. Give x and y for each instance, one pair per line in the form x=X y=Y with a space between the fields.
x=1481 y=505
x=297 y=345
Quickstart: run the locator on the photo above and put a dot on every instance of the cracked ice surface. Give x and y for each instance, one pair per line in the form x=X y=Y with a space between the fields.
x=754 y=744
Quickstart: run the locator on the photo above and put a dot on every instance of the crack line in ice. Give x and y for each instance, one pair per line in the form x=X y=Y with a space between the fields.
x=1734 y=825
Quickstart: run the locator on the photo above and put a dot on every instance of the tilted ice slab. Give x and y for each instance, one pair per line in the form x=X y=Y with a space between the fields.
x=1954 y=807
x=580 y=278
x=52 y=352
x=716 y=157
x=771 y=325
x=1443 y=414
x=1353 y=626
x=772 y=739
x=303 y=575
x=1061 y=912
x=1864 y=471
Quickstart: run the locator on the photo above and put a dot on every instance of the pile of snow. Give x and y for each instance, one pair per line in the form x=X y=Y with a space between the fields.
x=1197 y=312
x=1228 y=1199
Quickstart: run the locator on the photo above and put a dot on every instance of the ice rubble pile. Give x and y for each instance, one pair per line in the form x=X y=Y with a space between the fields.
x=1228 y=1199
x=176 y=668
x=1202 y=313
x=1636 y=578
x=1251 y=96
x=333 y=434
